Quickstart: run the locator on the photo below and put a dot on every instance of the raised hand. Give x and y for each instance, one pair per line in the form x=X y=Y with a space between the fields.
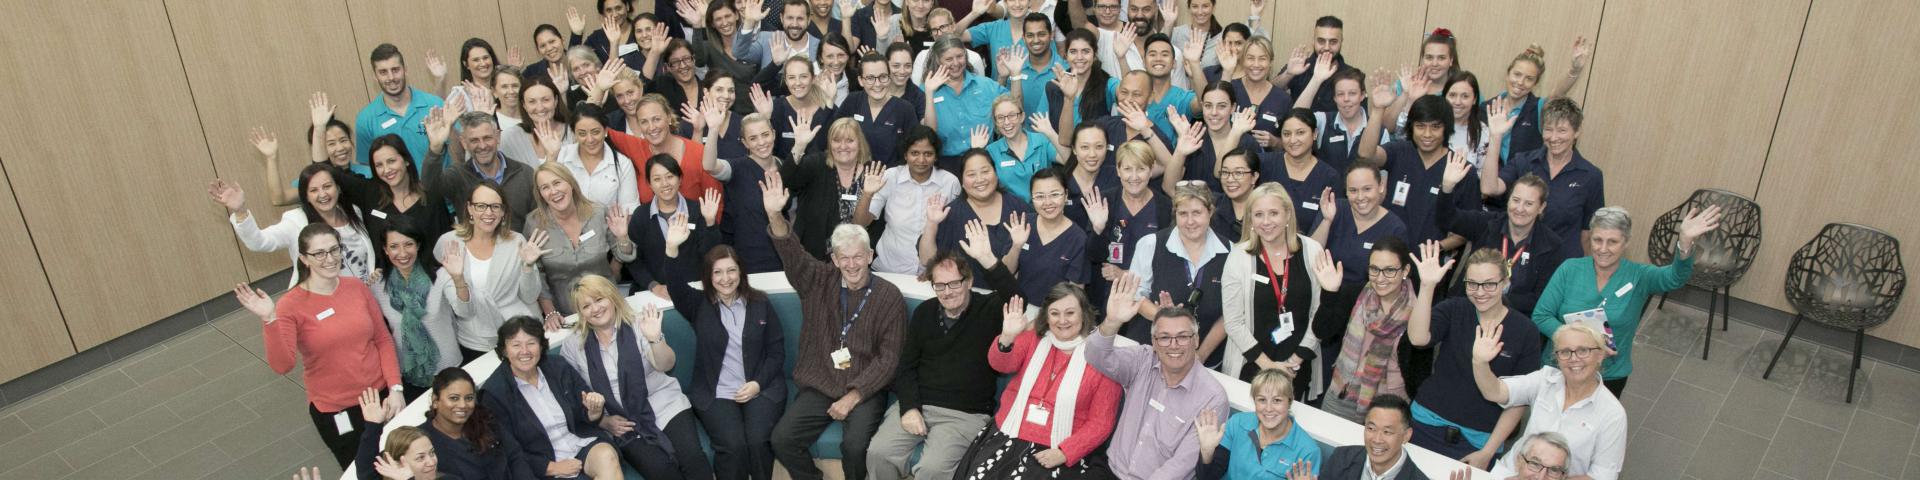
x=690 y=112
x=1043 y=126
x=1196 y=47
x=780 y=49
x=319 y=109
x=712 y=114
x=1134 y=116
x=616 y=35
x=1096 y=210
x=1582 y=51
x=1227 y=64
x=309 y=473
x=710 y=206
x=513 y=56
x=1499 y=119
x=938 y=76
x=1068 y=82
x=762 y=101
x=981 y=6
x=575 y=22
x=1329 y=272
x=1427 y=262
x=1013 y=319
x=1242 y=122
x=882 y=24
x=436 y=66
x=1486 y=343
x=649 y=322
x=1302 y=470
x=1258 y=6
x=1381 y=94
x=1010 y=58
x=533 y=248
x=439 y=126
x=1208 y=428
x=455 y=259
x=1328 y=204
x=371 y=408
x=256 y=301
x=873 y=177
x=773 y=194
x=1170 y=11
x=266 y=142
x=229 y=195
x=1421 y=83
x=479 y=97
x=980 y=136
x=1124 y=298
x=1123 y=41
x=936 y=209
x=608 y=73
x=1297 y=60
x=978 y=243
x=1323 y=67
x=1018 y=228
x=550 y=136
x=677 y=231
x=1457 y=169
x=804 y=130
x=617 y=219
x=389 y=468
x=1699 y=222
x=1190 y=138
x=752 y=12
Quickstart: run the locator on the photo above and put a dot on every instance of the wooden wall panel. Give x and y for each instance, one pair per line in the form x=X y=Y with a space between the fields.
x=110 y=165
x=1488 y=42
x=36 y=336
x=1379 y=33
x=519 y=17
x=235 y=90
x=1684 y=96
x=1844 y=149
x=417 y=26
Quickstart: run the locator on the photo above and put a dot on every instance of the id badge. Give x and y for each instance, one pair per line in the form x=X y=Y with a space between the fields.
x=343 y=423
x=1115 y=251
x=1285 y=329
x=1595 y=318
x=842 y=359
x=1400 y=193
x=1036 y=414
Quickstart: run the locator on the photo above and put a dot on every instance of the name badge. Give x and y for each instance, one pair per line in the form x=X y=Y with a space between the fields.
x=1036 y=414
x=586 y=235
x=1433 y=190
x=628 y=49
x=1285 y=329
x=1268 y=117
x=939 y=99
x=1622 y=292
x=1336 y=138
x=378 y=214
x=324 y=314
x=786 y=135
x=859 y=118
x=1310 y=206
x=1524 y=256
x=1006 y=163
x=1400 y=190
x=342 y=422
x=849 y=197
x=389 y=122
x=1026 y=247
x=842 y=359
x=1366 y=245
x=1109 y=147
x=1260 y=279
x=1156 y=405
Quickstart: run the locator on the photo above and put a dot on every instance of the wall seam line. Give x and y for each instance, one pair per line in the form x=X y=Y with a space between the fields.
x=1785 y=90
x=42 y=259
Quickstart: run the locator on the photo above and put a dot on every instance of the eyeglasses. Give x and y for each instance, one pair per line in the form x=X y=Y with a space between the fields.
x=1580 y=353
x=331 y=253
x=1011 y=117
x=1106 y=7
x=680 y=62
x=953 y=285
x=1473 y=286
x=1533 y=465
x=1049 y=196
x=870 y=79
x=1388 y=272
x=486 y=207
x=1171 y=340
x=1190 y=183
x=1235 y=173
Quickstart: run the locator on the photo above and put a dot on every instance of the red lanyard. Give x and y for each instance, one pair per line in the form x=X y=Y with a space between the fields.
x=1504 y=242
x=1280 y=284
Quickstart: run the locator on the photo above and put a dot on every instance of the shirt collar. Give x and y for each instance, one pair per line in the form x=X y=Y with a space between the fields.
x=1214 y=247
x=653 y=208
x=1027 y=67
x=1392 y=472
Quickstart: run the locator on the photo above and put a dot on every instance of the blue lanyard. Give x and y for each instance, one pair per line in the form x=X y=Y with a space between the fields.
x=847 y=325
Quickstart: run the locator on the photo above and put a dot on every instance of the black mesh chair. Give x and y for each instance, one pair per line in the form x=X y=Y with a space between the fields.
x=1849 y=277
x=1720 y=257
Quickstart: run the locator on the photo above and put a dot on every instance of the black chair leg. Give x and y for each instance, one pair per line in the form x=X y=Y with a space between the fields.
x=1726 y=306
x=1783 y=345
x=1663 y=302
x=1859 y=341
x=1713 y=305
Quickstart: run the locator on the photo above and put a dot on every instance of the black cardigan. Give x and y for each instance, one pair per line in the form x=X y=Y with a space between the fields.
x=650 y=263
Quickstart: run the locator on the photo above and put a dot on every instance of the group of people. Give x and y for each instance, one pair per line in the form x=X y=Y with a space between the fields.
x=1122 y=176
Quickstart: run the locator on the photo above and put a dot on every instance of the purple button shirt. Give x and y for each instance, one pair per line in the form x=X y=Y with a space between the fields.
x=1154 y=438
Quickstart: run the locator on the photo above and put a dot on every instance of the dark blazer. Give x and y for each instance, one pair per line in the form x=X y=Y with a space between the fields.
x=513 y=416
x=1349 y=462
x=763 y=354
x=649 y=265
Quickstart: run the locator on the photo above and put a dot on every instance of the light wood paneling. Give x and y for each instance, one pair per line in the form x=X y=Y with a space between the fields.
x=235 y=90
x=1491 y=34
x=1379 y=33
x=418 y=26
x=1684 y=96
x=110 y=165
x=521 y=16
x=36 y=336
x=1844 y=149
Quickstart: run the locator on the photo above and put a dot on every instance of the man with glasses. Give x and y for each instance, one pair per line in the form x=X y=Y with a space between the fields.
x=849 y=342
x=1542 y=457
x=945 y=386
x=1165 y=392
x=480 y=136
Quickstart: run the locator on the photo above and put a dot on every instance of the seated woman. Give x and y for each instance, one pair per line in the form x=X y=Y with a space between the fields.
x=590 y=234
x=982 y=199
x=624 y=355
x=1563 y=397
x=1058 y=411
x=648 y=270
x=1265 y=316
x=493 y=272
x=320 y=200
x=466 y=440
x=1445 y=403
x=1270 y=443
x=544 y=404
x=1369 y=362
x=416 y=310
x=739 y=385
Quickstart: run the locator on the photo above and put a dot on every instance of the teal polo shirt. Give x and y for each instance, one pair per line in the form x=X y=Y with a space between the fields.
x=1248 y=460
x=376 y=120
x=1016 y=174
x=1182 y=101
x=1033 y=87
x=960 y=111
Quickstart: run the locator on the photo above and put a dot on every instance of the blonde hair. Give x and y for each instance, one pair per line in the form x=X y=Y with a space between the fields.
x=1533 y=54
x=592 y=287
x=1250 y=240
x=1486 y=256
x=400 y=439
x=542 y=215
x=814 y=92
x=1007 y=98
x=1599 y=339
x=848 y=127
x=1192 y=190
x=1240 y=67
x=1273 y=378
x=1136 y=152
x=658 y=100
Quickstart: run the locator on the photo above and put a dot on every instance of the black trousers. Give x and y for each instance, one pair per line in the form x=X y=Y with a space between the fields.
x=688 y=460
x=467 y=356
x=344 y=445
x=807 y=418
x=1617 y=386
x=742 y=436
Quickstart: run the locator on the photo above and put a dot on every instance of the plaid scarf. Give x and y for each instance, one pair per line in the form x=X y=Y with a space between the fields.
x=1366 y=366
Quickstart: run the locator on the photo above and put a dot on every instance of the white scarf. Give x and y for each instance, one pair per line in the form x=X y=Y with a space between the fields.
x=1064 y=396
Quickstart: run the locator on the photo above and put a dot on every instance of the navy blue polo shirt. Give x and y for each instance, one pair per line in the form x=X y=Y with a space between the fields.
x=1421 y=184
x=1043 y=265
x=1305 y=191
x=883 y=128
x=783 y=115
x=1352 y=247
x=746 y=228
x=1534 y=258
x=1572 y=196
x=1450 y=391
x=954 y=228
x=1270 y=111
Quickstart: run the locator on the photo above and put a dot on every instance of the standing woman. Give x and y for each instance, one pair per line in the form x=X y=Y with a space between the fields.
x=719 y=92
x=415 y=308
x=1568 y=394
x=746 y=228
x=466 y=439
x=712 y=43
x=553 y=51
x=1057 y=251
x=1256 y=90
x=477 y=66
x=982 y=203
x=828 y=184
x=1202 y=22
x=1469 y=117
x=1225 y=129
x=1607 y=287
x=1559 y=163
x=493 y=271
x=333 y=326
x=624 y=355
x=1523 y=75
x=739 y=387
x=1019 y=152
x=1239 y=175
x=591 y=233
x=1446 y=402
x=1080 y=92
x=805 y=99
x=320 y=200
x=1300 y=170
x=1181 y=265
x=648 y=270
x=1088 y=175
x=544 y=404
x=506 y=93
x=1269 y=296
x=1057 y=411
x=657 y=137
x=543 y=105
x=1349 y=233
x=606 y=177
x=679 y=83
x=1129 y=213
x=1369 y=363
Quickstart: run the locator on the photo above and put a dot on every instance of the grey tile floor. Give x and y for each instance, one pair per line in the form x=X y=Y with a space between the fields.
x=205 y=405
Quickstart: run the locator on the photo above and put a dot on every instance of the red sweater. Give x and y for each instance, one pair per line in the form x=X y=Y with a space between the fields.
x=1095 y=409
x=344 y=353
x=694 y=180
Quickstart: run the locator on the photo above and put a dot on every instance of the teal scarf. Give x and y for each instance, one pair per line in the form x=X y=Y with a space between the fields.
x=419 y=356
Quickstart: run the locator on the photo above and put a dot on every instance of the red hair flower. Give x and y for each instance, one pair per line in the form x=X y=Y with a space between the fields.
x=1442 y=32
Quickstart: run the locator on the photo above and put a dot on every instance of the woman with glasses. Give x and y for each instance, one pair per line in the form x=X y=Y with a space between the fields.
x=1223 y=129
x=1180 y=265
x=1609 y=292
x=1239 y=175
x=1299 y=170
x=1369 y=361
x=495 y=272
x=1568 y=399
x=1057 y=251
x=321 y=202
x=1269 y=295
x=1018 y=153
x=333 y=326
x=1349 y=232
x=981 y=200
x=1449 y=415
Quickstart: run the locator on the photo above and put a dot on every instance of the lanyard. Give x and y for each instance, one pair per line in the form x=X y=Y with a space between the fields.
x=1506 y=241
x=847 y=325
x=1279 y=285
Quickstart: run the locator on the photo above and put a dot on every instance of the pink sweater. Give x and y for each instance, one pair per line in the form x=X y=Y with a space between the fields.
x=342 y=342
